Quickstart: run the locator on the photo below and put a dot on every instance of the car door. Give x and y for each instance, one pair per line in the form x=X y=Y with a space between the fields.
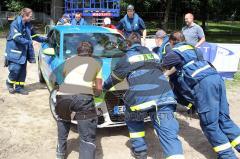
x=50 y=63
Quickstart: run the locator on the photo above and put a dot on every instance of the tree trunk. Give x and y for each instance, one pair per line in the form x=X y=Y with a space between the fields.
x=166 y=14
x=204 y=8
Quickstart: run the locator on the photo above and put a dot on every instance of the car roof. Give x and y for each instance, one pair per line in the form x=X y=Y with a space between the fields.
x=84 y=29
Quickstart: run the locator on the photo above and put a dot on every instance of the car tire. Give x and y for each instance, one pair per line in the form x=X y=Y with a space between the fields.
x=52 y=103
x=40 y=75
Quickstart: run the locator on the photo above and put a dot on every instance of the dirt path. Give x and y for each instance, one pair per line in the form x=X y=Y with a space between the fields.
x=28 y=131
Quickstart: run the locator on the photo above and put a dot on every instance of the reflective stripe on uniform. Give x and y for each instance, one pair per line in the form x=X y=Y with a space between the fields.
x=115 y=76
x=189 y=106
x=176 y=157
x=137 y=134
x=143 y=106
x=184 y=48
x=222 y=147
x=235 y=142
x=20 y=83
x=16 y=35
x=200 y=70
x=164 y=49
x=189 y=63
x=10 y=81
x=142 y=57
x=16 y=51
x=35 y=35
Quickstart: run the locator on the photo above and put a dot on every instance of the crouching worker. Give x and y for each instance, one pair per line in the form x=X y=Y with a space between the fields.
x=209 y=95
x=149 y=93
x=82 y=81
x=19 y=50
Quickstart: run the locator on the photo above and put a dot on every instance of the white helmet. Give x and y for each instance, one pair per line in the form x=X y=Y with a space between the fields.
x=107 y=21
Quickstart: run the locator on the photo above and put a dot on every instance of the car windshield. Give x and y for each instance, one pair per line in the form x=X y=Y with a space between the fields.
x=104 y=44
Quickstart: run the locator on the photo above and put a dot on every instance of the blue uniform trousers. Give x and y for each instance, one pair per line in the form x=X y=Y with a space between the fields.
x=213 y=111
x=166 y=127
x=17 y=75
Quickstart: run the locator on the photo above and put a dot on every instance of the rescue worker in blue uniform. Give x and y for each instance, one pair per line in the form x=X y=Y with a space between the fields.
x=131 y=22
x=19 y=50
x=162 y=42
x=64 y=20
x=209 y=95
x=78 y=20
x=149 y=93
x=162 y=49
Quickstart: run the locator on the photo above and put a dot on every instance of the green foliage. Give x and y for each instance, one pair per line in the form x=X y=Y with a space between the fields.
x=15 y=5
x=237 y=76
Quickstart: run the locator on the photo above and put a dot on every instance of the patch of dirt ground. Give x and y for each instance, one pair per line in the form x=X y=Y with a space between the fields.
x=28 y=130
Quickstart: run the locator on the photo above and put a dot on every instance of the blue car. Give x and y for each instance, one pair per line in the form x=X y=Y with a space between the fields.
x=109 y=46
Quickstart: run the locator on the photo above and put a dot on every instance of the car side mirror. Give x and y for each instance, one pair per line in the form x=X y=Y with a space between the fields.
x=49 y=51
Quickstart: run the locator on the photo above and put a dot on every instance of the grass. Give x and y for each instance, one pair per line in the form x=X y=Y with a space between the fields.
x=223 y=27
x=218 y=32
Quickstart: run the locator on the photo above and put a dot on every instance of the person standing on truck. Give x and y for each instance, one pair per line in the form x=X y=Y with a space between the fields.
x=65 y=20
x=131 y=22
x=108 y=24
x=82 y=80
x=78 y=20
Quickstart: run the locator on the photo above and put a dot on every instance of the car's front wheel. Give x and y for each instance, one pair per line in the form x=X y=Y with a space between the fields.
x=53 y=103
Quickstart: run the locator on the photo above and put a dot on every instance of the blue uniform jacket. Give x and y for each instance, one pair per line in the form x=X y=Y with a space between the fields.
x=19 y=46
x=129 y=25
x=147 y=84
x=164 y=48
x=81 y=22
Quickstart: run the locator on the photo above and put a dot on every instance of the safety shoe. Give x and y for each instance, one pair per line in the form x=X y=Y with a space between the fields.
x=22 y=92
x=10 y=88
x=139 y=155
x=60 y=155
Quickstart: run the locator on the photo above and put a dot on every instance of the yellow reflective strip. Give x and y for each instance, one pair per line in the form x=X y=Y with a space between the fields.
x=137 y=134
x=17 y=34
x=115 y=76
x=19 y=83
x=35 y=35
x=176 y=157
x=235 y=142
x=142 y=57
x=10 y=81
x=136 y=58
x=134 y=108
x=143 y=105
x=184 y=48
x=189 y=106
x=222 y=147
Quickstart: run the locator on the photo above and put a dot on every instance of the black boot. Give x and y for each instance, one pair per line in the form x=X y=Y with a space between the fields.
x=10 y=87
x=139 y=155
x=22 y=91
x=59 y=154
